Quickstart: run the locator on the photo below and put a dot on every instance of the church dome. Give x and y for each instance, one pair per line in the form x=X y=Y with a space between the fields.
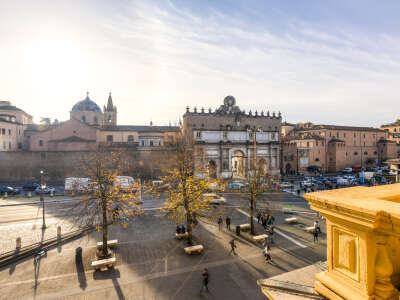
x=86 y=105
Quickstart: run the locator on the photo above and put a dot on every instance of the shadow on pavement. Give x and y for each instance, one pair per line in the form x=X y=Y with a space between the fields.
x=80 y=270
x=13 y=265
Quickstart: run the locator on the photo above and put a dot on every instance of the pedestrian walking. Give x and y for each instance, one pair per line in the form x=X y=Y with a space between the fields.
x=315 y=235
x=205 y=277
x=233 y=246
x=220 y=223
x=258 y=217
x=316 y=226
x=271 y=234
x=264 y=222
x=267 y=254
x=228 y=223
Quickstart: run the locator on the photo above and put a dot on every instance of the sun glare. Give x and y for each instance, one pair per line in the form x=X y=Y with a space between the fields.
x=54 y=62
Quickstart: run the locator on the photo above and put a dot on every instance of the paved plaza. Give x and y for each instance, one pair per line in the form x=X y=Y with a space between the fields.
x=151 y=263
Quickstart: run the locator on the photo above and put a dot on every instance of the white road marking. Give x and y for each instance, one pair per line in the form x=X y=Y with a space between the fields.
x=278 y=232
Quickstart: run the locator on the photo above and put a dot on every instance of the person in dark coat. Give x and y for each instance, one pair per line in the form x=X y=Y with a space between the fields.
x=220 y=223
x=228 y=222
x=233 y=246
x=205 y=278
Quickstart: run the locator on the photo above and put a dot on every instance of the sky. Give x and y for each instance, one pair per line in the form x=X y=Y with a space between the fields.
x=328 y=62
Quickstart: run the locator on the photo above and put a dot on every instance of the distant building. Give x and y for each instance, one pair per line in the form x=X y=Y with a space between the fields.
x=13 y=122
x=224 y=139
x=332 y=148
x=89 y=128
x=394 y=131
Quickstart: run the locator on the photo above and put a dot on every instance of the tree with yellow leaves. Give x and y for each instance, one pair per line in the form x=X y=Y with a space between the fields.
x=185 y=199
x=106 y=198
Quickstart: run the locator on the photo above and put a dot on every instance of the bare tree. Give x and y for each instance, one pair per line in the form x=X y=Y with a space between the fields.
x=105 y=198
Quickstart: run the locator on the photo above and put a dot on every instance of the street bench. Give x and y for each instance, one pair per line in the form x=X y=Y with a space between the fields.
x=287 y=210
x=108 y=262
x=310 y=229
x=244 y=227
x=194 y=249
x=180 y=236
x=110 y=243
x=260 y=238
x=291 y=220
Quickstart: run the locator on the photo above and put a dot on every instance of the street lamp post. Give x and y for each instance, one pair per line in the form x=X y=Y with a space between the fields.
x=42 y=187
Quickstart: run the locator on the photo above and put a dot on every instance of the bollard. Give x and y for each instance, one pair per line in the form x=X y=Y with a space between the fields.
x=5 y=194
x=18 y=243
x=59 y=231
x=51 y=194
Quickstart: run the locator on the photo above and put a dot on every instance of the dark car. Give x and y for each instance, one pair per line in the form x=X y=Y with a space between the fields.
x=9 y=190
x=30 y=186
x=46 y=190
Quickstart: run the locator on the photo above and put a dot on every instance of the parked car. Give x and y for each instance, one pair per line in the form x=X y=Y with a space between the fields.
x=214 y=198
x=9 y=190
x=285 y=184
x=235 y=186
x=46 y=190
x=347 y=170
x=306 y=183
x=30 y=186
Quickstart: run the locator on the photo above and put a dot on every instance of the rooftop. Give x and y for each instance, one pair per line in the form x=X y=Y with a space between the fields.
x=368 y=200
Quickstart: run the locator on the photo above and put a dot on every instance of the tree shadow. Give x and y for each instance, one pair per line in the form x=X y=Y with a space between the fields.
x=13 y=265
x=112 y=274
x=80 y=270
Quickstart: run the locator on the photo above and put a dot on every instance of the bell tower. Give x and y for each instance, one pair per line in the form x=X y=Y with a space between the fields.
x=110 y=113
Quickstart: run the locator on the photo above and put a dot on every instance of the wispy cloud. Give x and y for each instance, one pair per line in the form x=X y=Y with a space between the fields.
x=169 y=55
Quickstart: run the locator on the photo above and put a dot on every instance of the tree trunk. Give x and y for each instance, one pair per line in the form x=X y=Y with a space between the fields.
x=189 y=228
x=252 y=231
x=105 y=233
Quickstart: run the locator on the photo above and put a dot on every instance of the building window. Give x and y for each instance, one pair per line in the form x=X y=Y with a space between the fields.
x=142 y=143
x=95 y=120
x=337 y=134
x=330 y=134
x=4 y=145
x=84 y=119
x=354 y=134
x=198 y=134
x=41 y=143
x=308 y=144
x=316 y=143
x=130 y=138
x=202 y=125
x=355 y=153
x=9 y=145
x=19 y=131
x=346 y=153
x=9 y=131
x=375 y=152
x=109 y=118
x=364 y=144
x=3 y=131
x=344 y=134
x=364 y=135
x=19 y=145
x=110 y=138
x=317 y=159
x=365 y=153
x=151 y=143
x=394 y=129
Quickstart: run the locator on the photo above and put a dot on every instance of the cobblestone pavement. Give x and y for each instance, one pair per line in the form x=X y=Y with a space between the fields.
x=151 y=264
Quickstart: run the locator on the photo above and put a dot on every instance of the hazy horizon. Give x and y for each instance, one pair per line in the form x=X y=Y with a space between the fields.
x=331 y=62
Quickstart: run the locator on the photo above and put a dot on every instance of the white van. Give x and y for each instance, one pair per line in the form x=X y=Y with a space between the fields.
x=76 y=184
x=124 y=182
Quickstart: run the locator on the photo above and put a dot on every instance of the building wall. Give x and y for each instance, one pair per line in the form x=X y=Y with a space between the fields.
x=393 y=130
x=11 y=136
x=118 y=136
x=41 y=141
